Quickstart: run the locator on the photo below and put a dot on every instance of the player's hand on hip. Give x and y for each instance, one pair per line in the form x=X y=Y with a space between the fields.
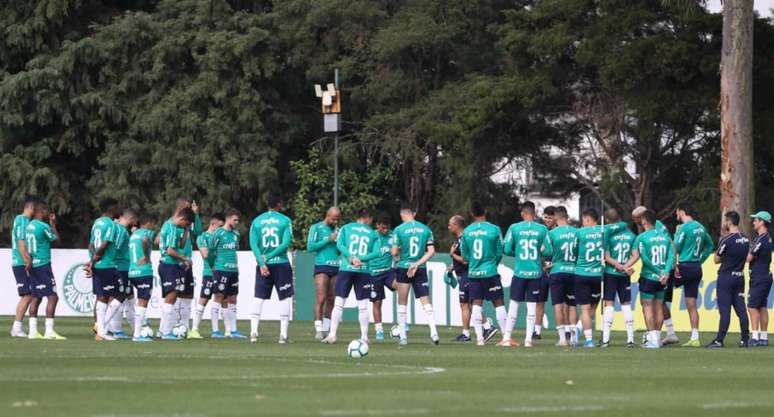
x=265 y=271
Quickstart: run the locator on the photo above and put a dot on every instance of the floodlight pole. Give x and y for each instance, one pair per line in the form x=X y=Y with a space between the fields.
x=336 y=151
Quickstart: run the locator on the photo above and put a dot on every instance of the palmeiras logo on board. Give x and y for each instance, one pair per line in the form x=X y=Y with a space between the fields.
x=77 y=290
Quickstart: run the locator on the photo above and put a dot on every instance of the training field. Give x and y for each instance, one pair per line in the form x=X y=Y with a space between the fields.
x=80 y=377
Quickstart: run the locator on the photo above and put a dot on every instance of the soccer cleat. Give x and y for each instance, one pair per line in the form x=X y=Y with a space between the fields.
x=142 y=339
x=670 y=340
x=194 y=334
x=318 y=335
x=282 y=340
x=651 y=345
x=35 y=336
x=462 y=338
x=18 y=333
x=536 y=336
x=120 y=335
x=754 y=343
x=380 y=335
x=480 y=342
x=561 y=343
x=237 y=335
x=52 y=335
x=744 y=344
x=434 y=339
x=331 y=339
x=527 y=343
x=489 y=334
x=408 y=327
x=763 y=343
x=105 y=337
x=588 y=344
x=217 y=334
x=508 y=343
x=253 y=337
x=603 y=344
x=403 y=342
x=692 y=343
x=170 y=336
x=714 y=345
x=631 y=345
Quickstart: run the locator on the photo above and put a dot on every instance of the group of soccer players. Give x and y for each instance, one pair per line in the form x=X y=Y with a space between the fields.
x=578 y=267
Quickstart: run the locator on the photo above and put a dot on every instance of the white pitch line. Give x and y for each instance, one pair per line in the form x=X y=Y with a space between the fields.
x=553 y=409
x=730 y=404
x=390 y=412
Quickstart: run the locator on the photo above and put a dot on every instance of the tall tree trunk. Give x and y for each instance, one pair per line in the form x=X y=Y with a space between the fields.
x=736 y=169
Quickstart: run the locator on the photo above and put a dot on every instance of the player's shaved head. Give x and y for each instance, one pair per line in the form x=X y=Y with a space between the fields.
x=637 y=212
x=333 y=211
x=458 y=220
x=612 y=216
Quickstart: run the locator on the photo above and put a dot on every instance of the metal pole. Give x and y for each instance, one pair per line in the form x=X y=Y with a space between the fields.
x=336 y=170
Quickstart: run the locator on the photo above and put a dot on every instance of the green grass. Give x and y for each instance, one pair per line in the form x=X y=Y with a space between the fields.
x=80 y=377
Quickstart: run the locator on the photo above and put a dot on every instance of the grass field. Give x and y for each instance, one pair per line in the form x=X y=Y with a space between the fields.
x=80 y=377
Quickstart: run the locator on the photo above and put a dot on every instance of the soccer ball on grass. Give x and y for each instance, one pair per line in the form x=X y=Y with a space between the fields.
x=357 y=349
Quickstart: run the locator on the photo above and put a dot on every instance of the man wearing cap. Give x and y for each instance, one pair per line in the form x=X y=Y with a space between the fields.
x=759 y=259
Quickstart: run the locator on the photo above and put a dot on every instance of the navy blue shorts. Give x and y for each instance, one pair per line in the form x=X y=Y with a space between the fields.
x=490 y=288
x=280 y=278
x=328 y=270
x=143 y=286
x=171 y=278
x=381 y=281
x=617 y=285
x=22 y=280
x=523 y=289
x=545 y=289
x=226 y=283
x=361 y=281
x=105 y=282
x=651 y=287
x=690 y=278
x=207 y=287
x=588 y=290
x=464 y=287
x=124 y=288
x=188 y=284
x=418 y=283
x=758 y=297
x=42 y=282
x=563 y=288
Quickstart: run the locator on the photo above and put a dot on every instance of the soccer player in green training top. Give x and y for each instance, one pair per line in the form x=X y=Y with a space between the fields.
x=141 y=270
x=527 y=241
x=186 y=292
x=482 y=247
x=204 y=243
x=382 y=272
x=102 y=267
x=655 y=250
x=127 y=220
x=413 y=245
x=693 y=245
x=357 y=245
x=21 y=264
x=588 y=270
x=222 y=258
x=270 y=237
x=545 y=282
x=616 y=282
x=172 y=267
x=564 y=241
x=39 y=236
x=322 y=241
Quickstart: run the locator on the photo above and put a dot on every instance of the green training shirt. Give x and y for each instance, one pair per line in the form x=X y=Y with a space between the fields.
x=104 y=230
x=412 y=238
x=482 y=246
x=204 y=241
x=122 y=247
x=270 y=236
x=527 y=242
x=319 y=242
x=39 y=236
x=590 y=247
x=18 y=233
x=356 y=240
x=170 y=237
x=564 y=241
x=656 y=253
x=225 y=244
x=137 y=252
x=693 y=243
x=383 y=262
x=620 y=247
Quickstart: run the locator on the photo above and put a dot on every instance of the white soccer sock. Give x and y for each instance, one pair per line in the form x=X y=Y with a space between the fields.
x=476 y=316
x=694 y=334
x=197 y=317
x=117 y=321
x=531 y=312
x=113 y=309
x=501 y=315
x=402 y=313
x=513 y=314
x=629 y=320
x=214 y=315
x=466 y=332
x=49 y=325
x=232 y=313
x=607 y=323
x=326 y=324
x=225 y=312
x=754 y=334
x=318 y=326
x=285 y=306
x=33 y=325
x=185 y=311
x=255 y=315
x=338 y=311
x=487 y=325
x=562 y=335
x=764 y=335
x=176 y=309
x=129 y=312
x=430 y=319
x=588 y=334
x=538 y=329
x=17 y=325
x=362 y=318
x=139 y=317
x=167 y=318
x=101 y=309
x=670 y=327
